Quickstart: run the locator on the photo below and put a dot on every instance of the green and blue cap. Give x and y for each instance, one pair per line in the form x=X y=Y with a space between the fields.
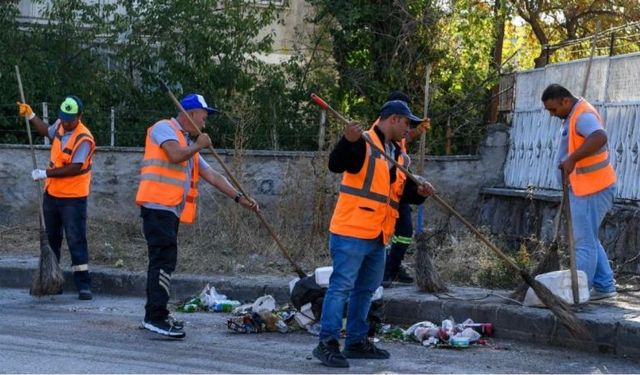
x=70 y=108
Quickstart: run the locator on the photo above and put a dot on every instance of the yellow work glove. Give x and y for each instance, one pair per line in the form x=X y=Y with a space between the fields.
x=25 y=110
x=424 y=126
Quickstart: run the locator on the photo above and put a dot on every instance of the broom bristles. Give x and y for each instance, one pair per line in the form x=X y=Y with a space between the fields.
x=427 y=277
x=550 y=263
x=559 y=308
x=48 y=277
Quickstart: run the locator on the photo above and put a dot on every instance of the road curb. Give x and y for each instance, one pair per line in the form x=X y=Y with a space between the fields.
x=615 y=330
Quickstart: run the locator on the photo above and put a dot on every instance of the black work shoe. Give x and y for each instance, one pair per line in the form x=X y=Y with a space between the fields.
x=85 y=295
x=164 y=328
x=403 y=276
x=328 y=352
x=365 y=349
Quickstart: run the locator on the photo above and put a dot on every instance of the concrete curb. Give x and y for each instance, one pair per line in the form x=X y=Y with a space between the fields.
x=615 y=328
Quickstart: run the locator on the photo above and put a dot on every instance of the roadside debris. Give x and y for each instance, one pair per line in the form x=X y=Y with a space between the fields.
x=208 y=300
x=307 y=295
x=447 y=335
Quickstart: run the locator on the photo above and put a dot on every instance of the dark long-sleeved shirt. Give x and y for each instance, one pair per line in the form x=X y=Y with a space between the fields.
x=350 y=156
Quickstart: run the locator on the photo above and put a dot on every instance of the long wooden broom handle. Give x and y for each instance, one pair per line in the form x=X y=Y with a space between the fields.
x=415 y=179
x=235 y=182
x=38 y=184
x=570 y=241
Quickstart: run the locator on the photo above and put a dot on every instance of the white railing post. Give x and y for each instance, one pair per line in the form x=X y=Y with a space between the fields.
x=113 y=127
x=45 y=118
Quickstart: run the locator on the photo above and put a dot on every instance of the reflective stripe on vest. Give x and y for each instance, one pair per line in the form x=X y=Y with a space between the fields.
x=77 y=186
x=367 y=204
x=163 y=182
x=595 y=172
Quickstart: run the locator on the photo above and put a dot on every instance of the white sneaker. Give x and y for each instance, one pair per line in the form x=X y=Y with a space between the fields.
x=595 y=295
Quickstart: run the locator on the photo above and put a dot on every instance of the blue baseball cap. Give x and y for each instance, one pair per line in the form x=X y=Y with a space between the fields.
x=399 y=107
x=70 y=108
x=196 y=101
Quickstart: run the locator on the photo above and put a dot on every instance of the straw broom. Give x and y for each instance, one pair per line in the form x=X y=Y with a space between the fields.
x=558 y=307
x=48 y=278
x=551 y=260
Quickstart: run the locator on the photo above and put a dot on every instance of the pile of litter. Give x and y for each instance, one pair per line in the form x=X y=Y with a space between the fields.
x=303 y=313
x=447 y=335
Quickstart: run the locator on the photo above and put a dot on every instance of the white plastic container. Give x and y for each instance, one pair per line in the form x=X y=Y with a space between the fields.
x=559 y=283
x=305 y=317
x=322 y=275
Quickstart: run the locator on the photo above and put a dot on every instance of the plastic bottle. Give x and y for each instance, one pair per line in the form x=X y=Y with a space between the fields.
x=225 y=306
x=190 y=307
x=281 y=326
x=447 y=325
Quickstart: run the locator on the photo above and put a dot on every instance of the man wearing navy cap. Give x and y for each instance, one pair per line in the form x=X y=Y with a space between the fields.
x=167 y=195
x=67 y=185
x=362 y=224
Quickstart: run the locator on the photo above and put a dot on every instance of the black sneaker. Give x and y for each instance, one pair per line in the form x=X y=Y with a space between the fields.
x=403 y=276
x=365 y=349
x=328 y=352
x=85 y=295
x=164 y=328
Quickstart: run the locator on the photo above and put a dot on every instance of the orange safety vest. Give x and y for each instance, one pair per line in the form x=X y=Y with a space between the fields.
x=595 y=172
x=368 y=202
x=77 y=186
x=162 y=182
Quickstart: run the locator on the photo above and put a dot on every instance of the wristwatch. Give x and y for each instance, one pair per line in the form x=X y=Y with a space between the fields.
x=238 y=196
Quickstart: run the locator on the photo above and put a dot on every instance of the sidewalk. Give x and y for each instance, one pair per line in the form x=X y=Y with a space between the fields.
x=615 y=325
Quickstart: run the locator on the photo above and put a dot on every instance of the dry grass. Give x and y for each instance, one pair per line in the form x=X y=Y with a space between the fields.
x=461 y=259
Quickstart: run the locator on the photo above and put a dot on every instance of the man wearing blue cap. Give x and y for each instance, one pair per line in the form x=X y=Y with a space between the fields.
x=362 y=224
x=67 y=185
x=167 y=195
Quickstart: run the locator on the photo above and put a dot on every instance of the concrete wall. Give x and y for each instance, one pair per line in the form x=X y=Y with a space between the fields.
x=280 y=181
x=516 y=214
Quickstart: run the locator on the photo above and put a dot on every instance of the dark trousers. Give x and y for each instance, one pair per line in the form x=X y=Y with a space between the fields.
x=68 y=217
x=161 y=232
x=400 y=241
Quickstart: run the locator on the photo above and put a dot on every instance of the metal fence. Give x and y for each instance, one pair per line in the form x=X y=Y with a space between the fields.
x=613 y=88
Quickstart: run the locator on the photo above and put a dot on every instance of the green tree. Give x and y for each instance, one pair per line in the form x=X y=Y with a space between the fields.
x=554 y=22
x=57 y=56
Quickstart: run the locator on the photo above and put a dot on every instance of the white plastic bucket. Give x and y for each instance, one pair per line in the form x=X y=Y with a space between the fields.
x=559 y=283
x=322 y=275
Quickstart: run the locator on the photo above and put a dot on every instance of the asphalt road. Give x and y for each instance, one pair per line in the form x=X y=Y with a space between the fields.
x=64 y=335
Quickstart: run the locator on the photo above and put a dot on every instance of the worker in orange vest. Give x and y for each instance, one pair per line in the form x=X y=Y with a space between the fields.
x=167 y=196
x=583 y=156
x=67 y=185
x=362 y=224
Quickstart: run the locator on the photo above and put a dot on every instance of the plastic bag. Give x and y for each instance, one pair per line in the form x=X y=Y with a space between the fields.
x=264 y=303
x=209 y=296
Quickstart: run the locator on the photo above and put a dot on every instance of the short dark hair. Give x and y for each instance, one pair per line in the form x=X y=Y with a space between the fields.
x=555 y=91
x=398 y=95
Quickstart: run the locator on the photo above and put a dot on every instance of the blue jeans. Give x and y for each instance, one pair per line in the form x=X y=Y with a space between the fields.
x=69 y=216
x=358 y=266
x=587 y=213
